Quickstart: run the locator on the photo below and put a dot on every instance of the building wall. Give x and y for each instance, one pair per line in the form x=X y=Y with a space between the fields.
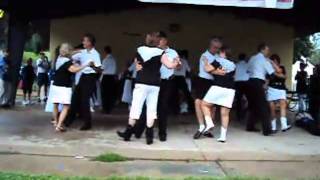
x=125 y=30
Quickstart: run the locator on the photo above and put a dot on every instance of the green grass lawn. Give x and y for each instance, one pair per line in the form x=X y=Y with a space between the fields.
x=22 y=176
x=110 y=157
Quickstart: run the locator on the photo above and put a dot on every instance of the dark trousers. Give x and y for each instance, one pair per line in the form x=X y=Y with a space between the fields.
x=314 y=108
x=166 y=94
x=258 y=106
x=181 y=85
x=108 y=92
x=80 y=102
x=240 y=92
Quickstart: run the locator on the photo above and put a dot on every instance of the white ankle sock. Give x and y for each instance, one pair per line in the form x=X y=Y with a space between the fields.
x=274 y=124
x=209 y=123
x=284 y=123
x=201 y=127
x=223 y=134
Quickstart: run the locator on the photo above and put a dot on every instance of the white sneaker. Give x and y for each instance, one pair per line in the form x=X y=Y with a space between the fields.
x=24 y=103
x=92 y=109
x=222 y=140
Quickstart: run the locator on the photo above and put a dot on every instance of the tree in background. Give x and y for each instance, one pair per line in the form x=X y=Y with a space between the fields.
x=315 y=58
x=303 y=47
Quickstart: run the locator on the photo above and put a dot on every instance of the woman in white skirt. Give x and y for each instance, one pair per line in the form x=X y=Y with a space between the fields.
x=222 y=92
x=276 y=93
x=61 y=88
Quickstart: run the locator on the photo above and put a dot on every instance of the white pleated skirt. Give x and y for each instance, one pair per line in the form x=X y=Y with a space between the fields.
x=274 y=94
x=220 y=96
x=59 y=94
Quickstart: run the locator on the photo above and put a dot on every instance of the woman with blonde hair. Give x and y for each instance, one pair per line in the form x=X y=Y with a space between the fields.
x=61 y=88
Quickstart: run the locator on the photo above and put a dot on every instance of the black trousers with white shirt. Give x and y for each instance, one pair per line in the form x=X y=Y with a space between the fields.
x=166 y=94
x=108 y=92
x=80 y=102
x=258 y=105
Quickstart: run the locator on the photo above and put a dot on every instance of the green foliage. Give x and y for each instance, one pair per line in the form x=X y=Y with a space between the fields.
x=303 y=47
x=34 y=56
x=110 y=157
x=315 y=58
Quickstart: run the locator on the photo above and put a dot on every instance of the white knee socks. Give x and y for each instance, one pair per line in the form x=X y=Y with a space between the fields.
x=284 y=124
x=274 y=125
x=201 y=127
x=209 y=123
x=223 y=135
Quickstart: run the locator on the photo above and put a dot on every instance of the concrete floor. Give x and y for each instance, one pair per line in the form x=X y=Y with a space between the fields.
x=28 y=130
x=27 y=137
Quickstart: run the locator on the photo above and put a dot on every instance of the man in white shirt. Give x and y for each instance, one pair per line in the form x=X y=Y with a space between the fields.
x=109 y=80
x=167 y=87
x=241 y=78
x=259 y=67
x=203 y=84
x=43 y=67
x=86 y=83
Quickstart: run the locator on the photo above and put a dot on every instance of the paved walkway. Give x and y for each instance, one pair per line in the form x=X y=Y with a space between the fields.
x=68 y=166
x=27 y=130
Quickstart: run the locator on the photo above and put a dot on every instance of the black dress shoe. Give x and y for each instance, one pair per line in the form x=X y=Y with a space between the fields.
x=253 y=130
x=208 y=134
x=197 y=135
x=162 y=137
x=120 y=134
x=274 y=131
x=267 y=133
x=85 y=127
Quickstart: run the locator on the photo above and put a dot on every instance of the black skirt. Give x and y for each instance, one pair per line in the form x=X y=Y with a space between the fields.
x=202 y=87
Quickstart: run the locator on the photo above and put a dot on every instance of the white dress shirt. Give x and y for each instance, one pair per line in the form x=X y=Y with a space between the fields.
x=85 y=57
x=184 y=68
x=202 y=72
x=259 y=67
x=241 y=71
x=109 y=65
x=44 y=63
x=165 y=72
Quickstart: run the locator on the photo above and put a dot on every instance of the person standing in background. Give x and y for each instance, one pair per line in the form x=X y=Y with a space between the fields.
x=109 y=81
x=314 y=96
x=302 y=87
x=241 y=78
x=6 y=82
x=43 y=67
x=28 y=75
x=180 y=75
x=3 y=71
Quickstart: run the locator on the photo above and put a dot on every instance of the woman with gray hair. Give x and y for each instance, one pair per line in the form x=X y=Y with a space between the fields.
x=61 y=88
